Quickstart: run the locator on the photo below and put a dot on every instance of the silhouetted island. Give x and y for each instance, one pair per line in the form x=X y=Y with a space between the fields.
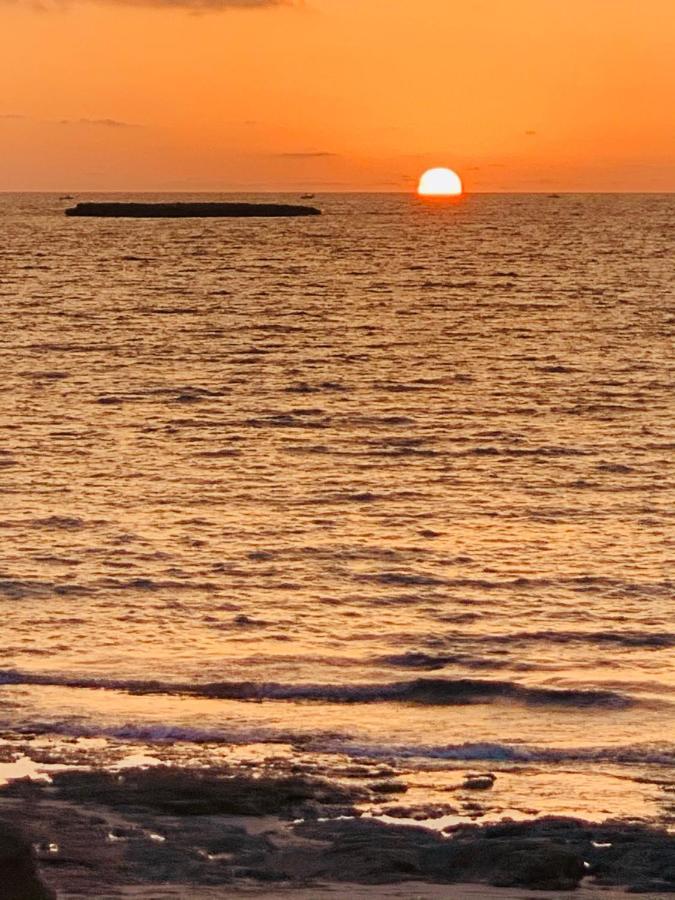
x=188 y=210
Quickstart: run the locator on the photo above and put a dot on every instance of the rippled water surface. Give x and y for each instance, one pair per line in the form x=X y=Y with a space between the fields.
x=354 y=467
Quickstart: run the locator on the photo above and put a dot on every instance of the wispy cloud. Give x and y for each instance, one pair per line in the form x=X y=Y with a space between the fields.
x=195 y=6
x=205 y=5
x=98 y=123
x=312 y=154
x=95 y=123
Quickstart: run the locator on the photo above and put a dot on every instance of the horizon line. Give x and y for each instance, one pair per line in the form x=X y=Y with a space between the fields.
x=412 y=193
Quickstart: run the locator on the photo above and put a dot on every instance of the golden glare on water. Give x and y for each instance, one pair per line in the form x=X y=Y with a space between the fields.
x=440 y=182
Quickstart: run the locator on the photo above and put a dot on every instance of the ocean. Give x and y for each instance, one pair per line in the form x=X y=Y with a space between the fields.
x=392 y=487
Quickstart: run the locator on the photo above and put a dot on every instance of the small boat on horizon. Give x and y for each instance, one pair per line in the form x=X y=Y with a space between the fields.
x=307 y=196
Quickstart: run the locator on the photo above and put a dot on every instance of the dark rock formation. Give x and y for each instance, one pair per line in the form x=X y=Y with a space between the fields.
x=96 y=830
x=366 y=850
x=388 y=787
x=420 y=813
x=617 y=853
x=189 y=210
x=18 y=875
x=479 y=782
x=170 y=791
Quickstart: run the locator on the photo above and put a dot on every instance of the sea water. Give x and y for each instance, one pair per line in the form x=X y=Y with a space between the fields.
x=396 y=483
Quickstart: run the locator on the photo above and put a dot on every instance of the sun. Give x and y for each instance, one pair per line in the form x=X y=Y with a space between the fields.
x=440 y=183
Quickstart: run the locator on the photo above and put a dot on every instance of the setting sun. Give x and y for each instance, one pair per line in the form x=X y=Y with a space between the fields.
x=440 y=183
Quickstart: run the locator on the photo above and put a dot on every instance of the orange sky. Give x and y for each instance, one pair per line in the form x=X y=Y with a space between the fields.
x=517 y=95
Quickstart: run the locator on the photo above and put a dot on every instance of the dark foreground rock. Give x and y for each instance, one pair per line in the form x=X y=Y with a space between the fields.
x=97 y=830
x=370 y=851
x=167 y=790
x=189 y=210
x=18 y=875
x=615 y=853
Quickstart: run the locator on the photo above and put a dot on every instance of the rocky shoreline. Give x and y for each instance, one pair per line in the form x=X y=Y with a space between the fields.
x=96 y=832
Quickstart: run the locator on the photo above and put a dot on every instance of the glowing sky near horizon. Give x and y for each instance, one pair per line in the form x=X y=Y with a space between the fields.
x=336 y=94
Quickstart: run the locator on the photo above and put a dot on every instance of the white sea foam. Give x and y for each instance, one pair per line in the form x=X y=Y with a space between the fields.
x=662 y=754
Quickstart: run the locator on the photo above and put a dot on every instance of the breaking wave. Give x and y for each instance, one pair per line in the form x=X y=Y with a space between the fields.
x=422 y=691
x=659 y=754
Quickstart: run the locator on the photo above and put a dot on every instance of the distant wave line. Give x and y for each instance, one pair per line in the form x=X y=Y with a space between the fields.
x=422 y=691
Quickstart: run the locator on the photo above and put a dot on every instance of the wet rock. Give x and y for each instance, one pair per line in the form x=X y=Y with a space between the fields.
x=479 y=782
x=368 y=851
x=473 y=811
x=388 y=787
x=166 y=825
x=176 y=792
x=617 y=853
x=355 y=771
x=651 y=887
x=372 y=852
x=636 y=857
x=419 y=813
x=541 y=865
x=311 y=809
x=18 y=874
x=244 y=621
